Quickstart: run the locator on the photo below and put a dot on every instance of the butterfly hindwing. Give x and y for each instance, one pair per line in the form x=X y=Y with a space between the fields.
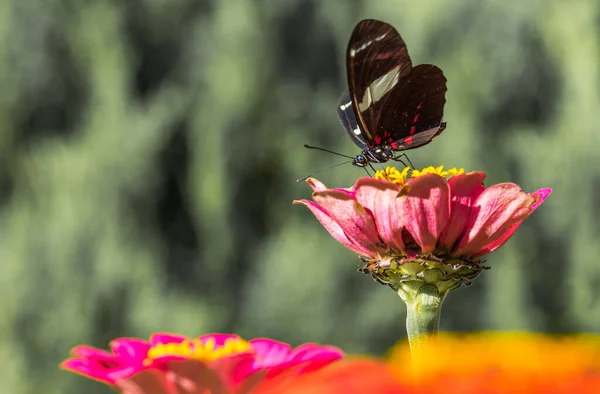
x=416 y=109
x=347 y=118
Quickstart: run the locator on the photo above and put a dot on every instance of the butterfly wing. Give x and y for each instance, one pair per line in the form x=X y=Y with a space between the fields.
x=347 y=118
x=416 y=109
x=392 y=101
x=376 y=62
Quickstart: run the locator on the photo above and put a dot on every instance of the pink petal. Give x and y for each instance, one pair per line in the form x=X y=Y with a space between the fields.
x=464 y=190
x=164 y=338
x=356 y=221
x=380 y=198
x=130 y=349
x=270 y=352
x=219 y=339
x=496 y=214
x=424 y=205
x=315 y=356
x=91 y=352
x=101 y=369
x=540 y=196
x=316 y=185
x=310 y=351
x=334 y=229
x=87 y=368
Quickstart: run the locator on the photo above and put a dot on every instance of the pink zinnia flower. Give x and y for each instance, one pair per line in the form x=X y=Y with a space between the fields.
x=422 y=236
x=223 y=363
x=391 y=221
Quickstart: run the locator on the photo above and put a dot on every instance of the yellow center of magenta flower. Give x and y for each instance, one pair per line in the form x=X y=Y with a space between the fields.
x=400 y=177
x=197 y=350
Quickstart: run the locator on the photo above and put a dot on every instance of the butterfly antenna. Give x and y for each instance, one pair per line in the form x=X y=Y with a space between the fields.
x=324 y=169
x=327 y=150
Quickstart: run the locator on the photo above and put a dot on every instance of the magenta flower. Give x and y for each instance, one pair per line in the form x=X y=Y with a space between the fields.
x=224 y=363
x=424 y=217
x=424 y=235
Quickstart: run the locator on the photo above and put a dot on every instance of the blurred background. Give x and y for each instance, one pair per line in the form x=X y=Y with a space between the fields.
x=149 y=151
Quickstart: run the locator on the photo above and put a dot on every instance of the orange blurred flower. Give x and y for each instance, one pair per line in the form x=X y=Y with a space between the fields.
x=501 y=363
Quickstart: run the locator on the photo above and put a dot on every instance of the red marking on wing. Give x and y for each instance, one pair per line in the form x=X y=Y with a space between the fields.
x=394 y=145
x=407 y=141
x=377 y=140
x=412 y=130
x=390 y=139
x=416 y=118
x=419 y=106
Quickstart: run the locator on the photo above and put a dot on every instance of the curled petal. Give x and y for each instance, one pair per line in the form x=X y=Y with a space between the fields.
x=380 y=198
x=355 y=220
x=495 y=216
x=333 y=227
x=464 y=190
x=539 y=196
x=316 y=185
x=424 y=204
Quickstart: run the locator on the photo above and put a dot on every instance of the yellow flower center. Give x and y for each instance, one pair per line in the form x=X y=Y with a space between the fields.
x=400 y=177
x=197 y=350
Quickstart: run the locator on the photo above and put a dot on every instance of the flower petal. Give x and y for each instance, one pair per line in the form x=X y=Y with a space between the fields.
x=496 y=214
x=380 y=198
x=355 y=220
x=218 y=339
x=270 y=352
x=130 y=350
x=334 y=228
x=424 y=205
x=316 y=185
x=163 y=337
x=540 y=196
x=464 y=190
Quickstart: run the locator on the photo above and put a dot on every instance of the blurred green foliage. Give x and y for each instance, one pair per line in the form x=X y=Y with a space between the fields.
x=148 y=152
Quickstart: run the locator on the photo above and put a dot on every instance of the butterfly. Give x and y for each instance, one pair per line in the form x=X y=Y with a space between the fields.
x=390 y=106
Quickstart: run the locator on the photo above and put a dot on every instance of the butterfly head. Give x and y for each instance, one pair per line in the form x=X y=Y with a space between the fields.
x=360 y=160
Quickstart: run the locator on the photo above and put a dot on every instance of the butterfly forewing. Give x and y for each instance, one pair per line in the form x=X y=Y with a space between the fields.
x=377 y=61
x=393 y=102
x=347 y=118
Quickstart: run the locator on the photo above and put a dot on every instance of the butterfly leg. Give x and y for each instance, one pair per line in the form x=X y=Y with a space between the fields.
x=372 y=168
x=401 y=161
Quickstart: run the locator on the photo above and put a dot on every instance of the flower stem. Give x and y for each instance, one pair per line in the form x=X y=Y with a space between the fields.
x=423 y=313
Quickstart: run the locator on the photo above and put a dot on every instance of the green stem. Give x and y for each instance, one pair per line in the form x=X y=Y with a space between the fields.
x=423 y=313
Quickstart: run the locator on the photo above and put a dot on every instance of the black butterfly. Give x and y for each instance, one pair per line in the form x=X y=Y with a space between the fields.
x=399 y=106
